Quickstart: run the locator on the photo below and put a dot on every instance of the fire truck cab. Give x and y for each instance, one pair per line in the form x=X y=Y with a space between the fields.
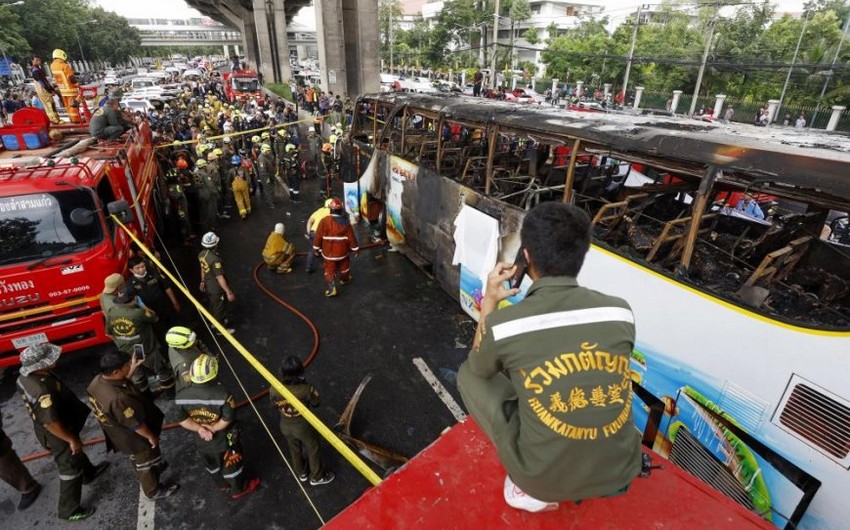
x=57 y=239
x=240 y=85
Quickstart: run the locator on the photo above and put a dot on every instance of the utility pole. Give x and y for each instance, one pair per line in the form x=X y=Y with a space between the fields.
x=493 y=57
x=831 y=71
x=708 y=42
x=790 y=68
x=390 y=20
x=631 y=56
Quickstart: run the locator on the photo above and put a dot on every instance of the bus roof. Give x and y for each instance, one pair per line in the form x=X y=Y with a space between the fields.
x=813 y=160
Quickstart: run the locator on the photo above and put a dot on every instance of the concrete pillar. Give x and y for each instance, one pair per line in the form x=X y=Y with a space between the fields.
x=513 y=82
x=236 y=50
x=772 y=105
x=226 y=51
x=638 y=95
x=607 y=89
x=677 y=95
x=329 y=31
x=836 y=114
x=718 y=104
x=362 y=53
x=281 y=45
x=554 y=85
x=579 y=86
x=264 y=58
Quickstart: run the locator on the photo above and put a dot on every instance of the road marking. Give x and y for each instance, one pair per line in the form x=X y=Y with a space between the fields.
x=145 y=518
x=441 y=391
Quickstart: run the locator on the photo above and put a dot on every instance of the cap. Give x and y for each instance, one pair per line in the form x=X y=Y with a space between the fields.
x=279 y=228
x=112 y=283
x=38 y=357
x=111 y=362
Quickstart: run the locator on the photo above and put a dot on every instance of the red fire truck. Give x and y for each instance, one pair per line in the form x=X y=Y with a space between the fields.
x=57 y=240
x=241 y=85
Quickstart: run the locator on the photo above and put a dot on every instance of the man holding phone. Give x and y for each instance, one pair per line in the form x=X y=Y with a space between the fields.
x=561 y=421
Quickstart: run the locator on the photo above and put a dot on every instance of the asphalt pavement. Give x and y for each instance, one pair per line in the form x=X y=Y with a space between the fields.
x=391 y=314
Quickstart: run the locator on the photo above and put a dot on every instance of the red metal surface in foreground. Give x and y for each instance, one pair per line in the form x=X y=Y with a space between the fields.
x=456 y=482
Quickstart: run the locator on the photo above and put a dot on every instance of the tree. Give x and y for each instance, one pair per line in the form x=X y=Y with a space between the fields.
x=389 y=13
x=531 y=36
x=12 y=41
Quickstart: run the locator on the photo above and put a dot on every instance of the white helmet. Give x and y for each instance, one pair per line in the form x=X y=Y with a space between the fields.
x=209 y=240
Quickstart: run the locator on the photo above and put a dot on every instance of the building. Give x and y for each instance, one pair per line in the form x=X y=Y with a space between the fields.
x=562 y=14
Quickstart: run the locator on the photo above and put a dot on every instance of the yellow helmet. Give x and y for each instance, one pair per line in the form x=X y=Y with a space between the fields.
x=290 y=148
x=265 y=135
x=265 y=148
x=180 y=337
x=201 y=163
x=218 y=151
x=282 y=132
x=211 y=156
x=204 y=369
x=60 y=54
x=255 y=139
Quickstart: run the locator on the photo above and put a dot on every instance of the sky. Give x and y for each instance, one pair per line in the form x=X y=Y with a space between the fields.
x=178 y=9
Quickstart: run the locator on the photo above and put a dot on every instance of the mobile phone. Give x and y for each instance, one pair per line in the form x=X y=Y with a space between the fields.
x=139 y=352
x=519 y=275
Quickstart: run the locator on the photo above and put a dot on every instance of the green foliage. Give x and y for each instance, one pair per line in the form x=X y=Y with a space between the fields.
x=281 y=90
x=72 y=25
x=531 y=36
x=12 y=41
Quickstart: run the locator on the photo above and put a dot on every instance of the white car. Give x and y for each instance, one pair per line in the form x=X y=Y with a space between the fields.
x=194 y=73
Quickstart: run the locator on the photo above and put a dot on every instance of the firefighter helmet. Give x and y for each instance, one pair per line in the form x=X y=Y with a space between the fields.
x=282 y=132
x=335 y=205
x=211 y=156
x=265 y=148
x=201 y=163
x=180 y=337
x=60 y=54
x=265 y=135
x=339 y=127
x=255 y=139
x=226 y=140
x=235 y=160
x=327 y=148
x=218 y=151
x=182 y=164
x=333 y=138
x=204 y=369
x=209 y=240
x=290 y=147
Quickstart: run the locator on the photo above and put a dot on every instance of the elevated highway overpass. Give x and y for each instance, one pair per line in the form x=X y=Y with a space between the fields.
x=347 y=32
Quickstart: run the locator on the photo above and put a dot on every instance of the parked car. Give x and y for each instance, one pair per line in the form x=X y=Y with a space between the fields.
x=527 y=96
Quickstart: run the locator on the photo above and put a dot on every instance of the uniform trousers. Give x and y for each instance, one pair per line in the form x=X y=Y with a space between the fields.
x=74 y=470
x=148 y=465
x=12 y=470
x=341 y=267
x=303 y=446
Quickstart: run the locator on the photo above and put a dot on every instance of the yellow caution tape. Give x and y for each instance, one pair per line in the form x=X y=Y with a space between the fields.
x=326 y=433
x=240 y=133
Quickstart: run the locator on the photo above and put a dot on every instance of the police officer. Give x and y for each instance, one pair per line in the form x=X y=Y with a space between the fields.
x=183 y=348
x=266 y=173
x=58 y=417
x=207 y=408
x=14 y=473
x=302 y=438
x=206 y=200
x=128 y=325
x=213 y=281
x=131 y=422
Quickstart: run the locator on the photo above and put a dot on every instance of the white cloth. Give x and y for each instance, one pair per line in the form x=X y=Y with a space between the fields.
x=476 y=241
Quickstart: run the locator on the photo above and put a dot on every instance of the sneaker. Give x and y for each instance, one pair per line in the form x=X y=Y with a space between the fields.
x=28 y=498
x=80 y=514
x=224 y=216
x=330 y=292
x=303 y=477
x=327 y=478
x=98 y=471
x=165 y=491
x=516 y=498
x=253 y=484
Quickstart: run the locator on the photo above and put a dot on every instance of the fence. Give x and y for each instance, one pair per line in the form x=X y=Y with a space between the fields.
x=746 y=111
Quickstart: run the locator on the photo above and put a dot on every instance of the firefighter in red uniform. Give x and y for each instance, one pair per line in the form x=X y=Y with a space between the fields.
x=334 y=240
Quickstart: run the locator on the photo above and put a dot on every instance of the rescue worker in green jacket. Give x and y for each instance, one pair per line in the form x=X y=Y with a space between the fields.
x=183 y=348
x=58 y=417
x=207 y=408
x=112 y=285
x=266 y=173
x=303 y=440
x=279 y=146
x=213 y=280
x=180 y=205
x=128 y=324
x=293 y=172
x=206 y=199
